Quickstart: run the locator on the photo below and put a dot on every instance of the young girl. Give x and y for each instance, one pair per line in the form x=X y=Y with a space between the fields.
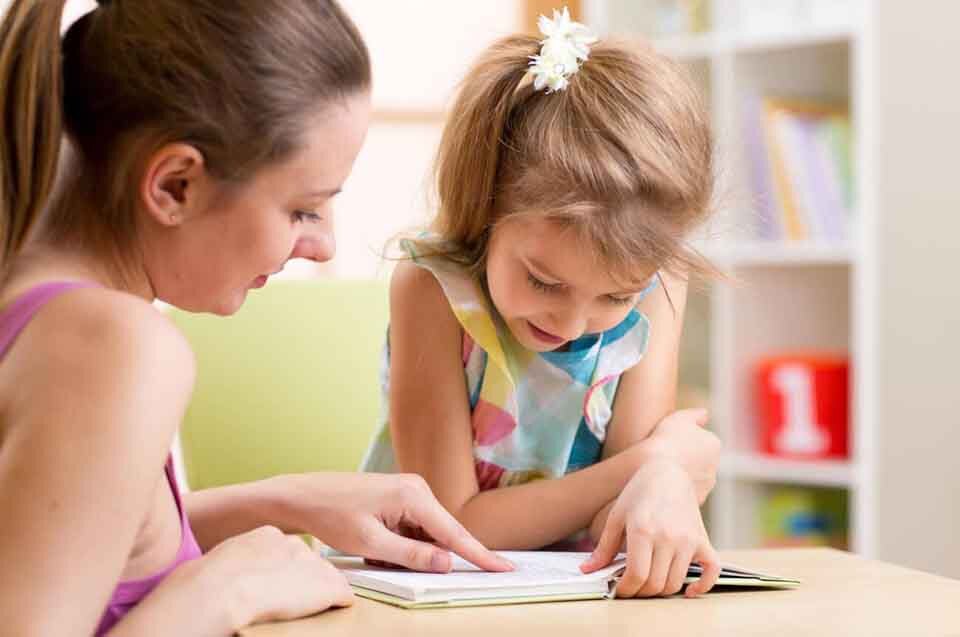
x=209 y=137
x=534 y=333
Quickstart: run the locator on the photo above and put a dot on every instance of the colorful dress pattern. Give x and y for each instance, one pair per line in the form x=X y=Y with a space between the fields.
x=534 y=415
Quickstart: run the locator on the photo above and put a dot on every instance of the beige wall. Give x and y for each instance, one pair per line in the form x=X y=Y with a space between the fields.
x=421 y=49
x=918 y=130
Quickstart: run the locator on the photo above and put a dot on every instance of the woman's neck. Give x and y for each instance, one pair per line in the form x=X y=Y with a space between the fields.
x=38 y=262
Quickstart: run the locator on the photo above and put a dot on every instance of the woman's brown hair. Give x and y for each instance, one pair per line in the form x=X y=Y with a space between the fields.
x=623 y=156
x=238 y=79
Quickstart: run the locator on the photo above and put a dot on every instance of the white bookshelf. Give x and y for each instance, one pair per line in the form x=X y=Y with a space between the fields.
x=781 y=295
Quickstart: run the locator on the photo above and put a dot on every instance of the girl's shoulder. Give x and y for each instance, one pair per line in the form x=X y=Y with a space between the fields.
x=417 y=293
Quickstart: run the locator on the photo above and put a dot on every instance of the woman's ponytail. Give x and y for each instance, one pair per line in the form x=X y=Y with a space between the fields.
x=31 y=125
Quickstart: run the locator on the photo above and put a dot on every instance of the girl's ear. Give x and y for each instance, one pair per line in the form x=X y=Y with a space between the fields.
x=173 y=183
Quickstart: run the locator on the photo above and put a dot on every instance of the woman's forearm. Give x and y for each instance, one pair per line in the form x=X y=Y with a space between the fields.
x=223 y=512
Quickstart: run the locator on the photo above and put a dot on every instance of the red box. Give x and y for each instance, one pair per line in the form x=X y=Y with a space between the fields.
x=803 y=405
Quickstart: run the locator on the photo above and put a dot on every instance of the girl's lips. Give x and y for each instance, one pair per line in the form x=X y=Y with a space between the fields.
x=546 y=337
x=260 y=281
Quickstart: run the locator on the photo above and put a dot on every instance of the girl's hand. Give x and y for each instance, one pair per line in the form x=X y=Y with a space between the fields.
x=657 y=518
x=261 y=575
x=379 y=515
x=683 y=437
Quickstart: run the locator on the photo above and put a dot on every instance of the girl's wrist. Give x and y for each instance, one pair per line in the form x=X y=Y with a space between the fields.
x=648 y=451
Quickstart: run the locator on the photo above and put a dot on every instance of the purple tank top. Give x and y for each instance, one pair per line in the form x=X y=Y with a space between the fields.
x=127 y=594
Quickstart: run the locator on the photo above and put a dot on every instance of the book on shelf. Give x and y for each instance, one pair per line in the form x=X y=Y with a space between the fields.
x=799 y=153
x=540 y=576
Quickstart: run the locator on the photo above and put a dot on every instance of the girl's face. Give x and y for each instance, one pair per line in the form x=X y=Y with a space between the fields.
x=247 y=232
x=548 y=288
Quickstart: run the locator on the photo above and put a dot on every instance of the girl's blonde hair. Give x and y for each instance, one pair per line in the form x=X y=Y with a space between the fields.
x=238 y=79
x=623 y=156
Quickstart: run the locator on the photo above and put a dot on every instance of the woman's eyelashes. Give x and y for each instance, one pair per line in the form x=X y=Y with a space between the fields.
x=301 y=216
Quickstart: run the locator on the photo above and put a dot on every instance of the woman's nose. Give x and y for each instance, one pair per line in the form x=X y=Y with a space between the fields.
x=317 y=242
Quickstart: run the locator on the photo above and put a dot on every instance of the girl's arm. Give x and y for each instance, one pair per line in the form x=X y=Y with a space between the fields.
x=95 y=387
x=431 y=430
x=646 y=397
x=648 y=391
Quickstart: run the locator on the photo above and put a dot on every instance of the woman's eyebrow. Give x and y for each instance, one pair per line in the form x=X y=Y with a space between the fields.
x=324 y=193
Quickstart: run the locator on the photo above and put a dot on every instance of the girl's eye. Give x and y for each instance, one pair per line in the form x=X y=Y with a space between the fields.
x=301 y=216
x=541 y=285
x=620 y=300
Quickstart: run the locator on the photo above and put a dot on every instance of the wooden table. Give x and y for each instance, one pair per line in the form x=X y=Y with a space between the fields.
x=842 y=594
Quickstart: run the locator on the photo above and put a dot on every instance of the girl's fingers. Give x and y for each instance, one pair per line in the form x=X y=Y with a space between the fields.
x=659 y=569
x=678 y=572
x=639 y=558
x=707 y=557
x=608 y=547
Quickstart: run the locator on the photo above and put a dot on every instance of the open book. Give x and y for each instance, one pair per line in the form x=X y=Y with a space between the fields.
x=540 y=576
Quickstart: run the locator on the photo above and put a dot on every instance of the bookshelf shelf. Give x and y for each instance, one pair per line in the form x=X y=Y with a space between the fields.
x=762 y=42
x=784 y=295
x=880 y=293
x=705 y=45
x=822 y=473
x=690 y=47
x=782 y=253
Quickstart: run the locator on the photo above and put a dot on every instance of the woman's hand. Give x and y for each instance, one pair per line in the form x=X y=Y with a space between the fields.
x=262 y=575
x=377 y=515
x=657 y=519
x=682 y=436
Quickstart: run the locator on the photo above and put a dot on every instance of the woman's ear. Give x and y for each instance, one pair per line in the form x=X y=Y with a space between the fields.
x=173 y=184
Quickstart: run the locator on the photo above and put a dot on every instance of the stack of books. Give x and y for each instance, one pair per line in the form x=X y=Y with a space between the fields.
x=800 y=155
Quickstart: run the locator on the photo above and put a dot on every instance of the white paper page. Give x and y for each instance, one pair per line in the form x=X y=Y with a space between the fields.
x=533 y=569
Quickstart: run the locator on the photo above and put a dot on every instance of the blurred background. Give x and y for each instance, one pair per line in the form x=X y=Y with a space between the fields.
x=828 y=355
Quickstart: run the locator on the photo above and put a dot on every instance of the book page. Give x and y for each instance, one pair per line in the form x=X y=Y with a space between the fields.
x=533 y=569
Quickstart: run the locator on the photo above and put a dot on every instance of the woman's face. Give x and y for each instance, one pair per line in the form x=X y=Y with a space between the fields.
x=247 y=232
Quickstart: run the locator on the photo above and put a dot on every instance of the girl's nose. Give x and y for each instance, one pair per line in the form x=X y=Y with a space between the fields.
x=569 y=323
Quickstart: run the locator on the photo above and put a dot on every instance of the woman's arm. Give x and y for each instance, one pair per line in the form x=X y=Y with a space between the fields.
x=363 y=514
x=223 y=512
x=431 y=430
x=95 y=387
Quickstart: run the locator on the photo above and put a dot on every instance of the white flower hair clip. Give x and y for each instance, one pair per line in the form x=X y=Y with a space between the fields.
x=564 y=48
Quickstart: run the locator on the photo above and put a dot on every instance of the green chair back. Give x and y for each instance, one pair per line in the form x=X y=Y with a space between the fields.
x=288 y=384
